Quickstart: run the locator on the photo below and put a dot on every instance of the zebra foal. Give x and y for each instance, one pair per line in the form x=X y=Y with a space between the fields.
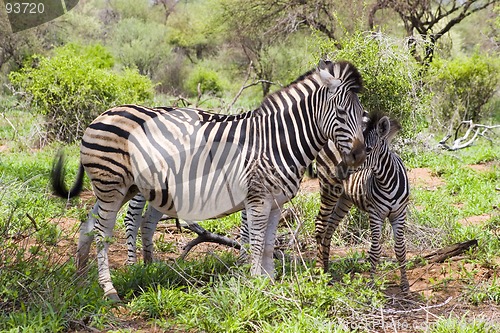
x=195 y=168
x=379 y=187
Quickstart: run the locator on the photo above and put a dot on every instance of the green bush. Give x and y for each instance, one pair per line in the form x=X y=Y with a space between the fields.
x=390 y=75
x=462 y=88
x=209 y=82
x=75 y=85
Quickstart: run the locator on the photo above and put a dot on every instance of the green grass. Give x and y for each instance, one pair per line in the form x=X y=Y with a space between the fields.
x=235 y=303
x=463 y=325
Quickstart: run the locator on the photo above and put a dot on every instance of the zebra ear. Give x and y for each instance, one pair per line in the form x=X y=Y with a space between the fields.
x=383 y=127
x=395 y=128
x=326 y=77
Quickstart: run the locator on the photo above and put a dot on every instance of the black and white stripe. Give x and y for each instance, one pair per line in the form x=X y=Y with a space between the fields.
x=379 y=187
x=134 y=218
x=194 y=169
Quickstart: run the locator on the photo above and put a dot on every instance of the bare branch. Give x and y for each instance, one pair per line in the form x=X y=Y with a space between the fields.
x=206 y=236
x=464 y=141
x=249 y=70
x=423 y=16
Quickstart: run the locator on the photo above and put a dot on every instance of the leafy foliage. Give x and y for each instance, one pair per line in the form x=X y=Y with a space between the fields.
x=391 y=77
x=208 y=81
x=75 y=85
x=462 y=88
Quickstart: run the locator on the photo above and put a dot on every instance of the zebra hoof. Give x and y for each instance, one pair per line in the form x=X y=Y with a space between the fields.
x=113 y=297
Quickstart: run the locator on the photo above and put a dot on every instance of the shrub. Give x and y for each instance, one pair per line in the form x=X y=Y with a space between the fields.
x=462 y=88
x=75 y=85
x=208 y=80
x=390 y=74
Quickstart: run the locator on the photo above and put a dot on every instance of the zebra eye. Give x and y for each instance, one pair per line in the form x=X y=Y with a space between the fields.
x=369 y=149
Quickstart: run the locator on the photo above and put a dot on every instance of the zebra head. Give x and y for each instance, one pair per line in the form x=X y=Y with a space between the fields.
x=342 y=118
x=379 y=132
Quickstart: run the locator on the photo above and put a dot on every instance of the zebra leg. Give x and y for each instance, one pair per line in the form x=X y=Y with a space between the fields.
x=244 y=238
x=376 y=224
x=148 y=227
x=270 y=241
x=85 y=241
x=258 y=212
x=341 y=209
x=398 y=229
x=328 y=201
x=105 y=222
x=132 y=222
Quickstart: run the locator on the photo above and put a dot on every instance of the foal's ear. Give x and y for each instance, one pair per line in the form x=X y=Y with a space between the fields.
x=326 y=77
x=395 y=128
x=383 y=127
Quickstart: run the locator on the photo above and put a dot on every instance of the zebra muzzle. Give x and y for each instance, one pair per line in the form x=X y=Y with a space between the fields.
x=356 y=156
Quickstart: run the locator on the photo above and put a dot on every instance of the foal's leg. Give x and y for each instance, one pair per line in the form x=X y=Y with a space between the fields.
x=342 y=207
x=376 y=224
x=398 y=230
x=329 y=195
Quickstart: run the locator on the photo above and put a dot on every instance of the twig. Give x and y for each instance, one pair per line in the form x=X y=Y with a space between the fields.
x=32 y=221
x=249 y=69
x=198 y=98
x=422 y=308
x=206 y=236
x=11 y=124
x=246 y=86
x=458 y=143
x=184 y=100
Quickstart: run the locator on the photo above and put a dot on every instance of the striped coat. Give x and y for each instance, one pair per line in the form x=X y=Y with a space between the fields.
x=379 y=187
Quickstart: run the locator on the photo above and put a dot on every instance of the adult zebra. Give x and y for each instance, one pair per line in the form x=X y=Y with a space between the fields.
x=380 y=187
x=134 y=217
x=195 y=169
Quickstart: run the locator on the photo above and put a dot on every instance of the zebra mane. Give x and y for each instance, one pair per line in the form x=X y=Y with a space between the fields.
x=347 y=73
x=343 y=70
x=373 y=119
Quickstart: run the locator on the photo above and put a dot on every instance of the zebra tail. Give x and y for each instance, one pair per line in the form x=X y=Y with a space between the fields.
x=57 y=178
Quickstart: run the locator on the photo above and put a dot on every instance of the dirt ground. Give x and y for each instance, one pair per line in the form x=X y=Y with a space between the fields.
x=436 y=289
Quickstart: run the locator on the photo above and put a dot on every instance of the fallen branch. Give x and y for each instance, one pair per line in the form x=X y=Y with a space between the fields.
x=206 y=236
x=449 y=251
x=421 y=308
x=464 y=141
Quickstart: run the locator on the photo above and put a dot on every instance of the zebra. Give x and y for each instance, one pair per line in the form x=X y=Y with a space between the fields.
x=380 y=187
x=134 y=218
x=195 y=169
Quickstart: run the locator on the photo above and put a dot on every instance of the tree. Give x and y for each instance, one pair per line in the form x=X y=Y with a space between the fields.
x=429 y=19
x=260 y=25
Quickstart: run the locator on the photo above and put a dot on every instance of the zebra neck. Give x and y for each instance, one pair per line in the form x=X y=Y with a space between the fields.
x=386 y=166
x=286 y=125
